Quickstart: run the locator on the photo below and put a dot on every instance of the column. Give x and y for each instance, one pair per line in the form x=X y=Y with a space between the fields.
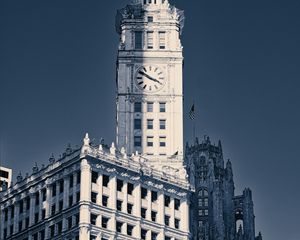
x=8 y=221
x=100 y=190
x=172 y=217
x=48 y=200
x=31 y=210
x=161 y=213
x=66 y=192
x=113 y=200
x=16 y=218
x=137 y=200
x=184 y=209
x=149 y=205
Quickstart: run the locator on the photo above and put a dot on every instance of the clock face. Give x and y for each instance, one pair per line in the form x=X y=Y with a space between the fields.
x=150 y=78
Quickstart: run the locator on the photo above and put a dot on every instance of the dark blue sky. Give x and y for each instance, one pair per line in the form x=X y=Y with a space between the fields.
x=242 y=68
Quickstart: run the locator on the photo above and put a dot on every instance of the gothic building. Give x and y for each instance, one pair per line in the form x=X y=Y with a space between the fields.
x=145 y=186
x=216 y=212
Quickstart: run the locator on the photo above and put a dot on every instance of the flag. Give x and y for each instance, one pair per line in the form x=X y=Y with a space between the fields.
x=192 y=112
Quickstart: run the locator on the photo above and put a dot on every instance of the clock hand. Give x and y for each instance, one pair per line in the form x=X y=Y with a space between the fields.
x=149 y=77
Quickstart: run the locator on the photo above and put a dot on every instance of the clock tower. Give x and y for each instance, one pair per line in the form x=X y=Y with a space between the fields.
x=149 y=82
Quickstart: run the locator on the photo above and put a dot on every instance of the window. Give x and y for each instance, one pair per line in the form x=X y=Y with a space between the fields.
x=59 y=227
x=35 y=236
x=78 y=177
x=92 y=237
x=94 y=197
x=200 y=202
x=143 y=212
x=167 y=201
x=206 y=202
x=43 y=213
x=53 y=209
x=60 y=205
x=119 y=226
x=138 y=40
x=77 y=219
x=27 y=222
x=162 y=40
x=42 y=235
x=162 y=124
x=52 y=231
x=27 y=203
x=206 y=212
x=61 y=186
x=177 y=203
x=167 y=238
x=44 y=195
x=200 y=212
x=12 y=213
x=94 y=177
x=129 y=208
x=150 y=141
x=78 y=196
x=54 y=190
x=5 y=214
x=137 y=141
x=21 y=206
x=150 y=39
x=37 y=199
x=20 y=225
x=153 y=216
x=119 y=205
x=143 y=234
x=129 y=230
x=93 y=219
x=137 y=124
x=167 y=220
x=144 y=193
x=69 y=222
x=71 y=181
x=162 y=107
x=162 y=141
x=104 y=201
x=150 y=18
x=154 y=235
x=150 y=124
x=177 y=223
x=130 y=188
x=70 y=200
x=205 y=193
x=149 y=106
x=137 y=107
x=104 y=222
x=119 y=185
x=4 y=174
x=153 y=196
x=11 y=229
x=105 y=180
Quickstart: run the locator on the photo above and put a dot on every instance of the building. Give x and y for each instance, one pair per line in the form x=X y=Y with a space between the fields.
x=137 y=190
x=145 y=187
x=216 y=212
x=5 y=178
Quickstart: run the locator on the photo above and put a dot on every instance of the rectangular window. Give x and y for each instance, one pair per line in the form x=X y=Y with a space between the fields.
x=93 y=219
x=71 y=181
x=53 y=209
x=143 y=234
x=104 y=201
x=162 y=107
x=119 y=205
x=43 y=214
x=129 y=230
x=177 y=203
x=138 y=107
x=94 y=177
x=4 y=174
x=69 y=222
x=143 y=212
x=153 y=196
x=42 y=235
x=149 y=106
x=206 y=212
x=119 y=185
x=61 y=186
x=137 y=124
x=94 y=197
x=150 y=18
x=21 y=206
x=37 y=199
x=144 y=193
x=27 y=203
x=20 y=226
x=154 y=235
x=138 y=40
x=167 y=201
x=36 y=217
x=52 y=231
x=167 y=220
x=162 y=40
x=119 y=226
x=162 y=141
x=137 y=141
x=105 y=180
x=60 y=205
x=130 y=188
x=206 y=202
x=78 y=176
x=150 y=40
x=78 y=196
x=44 y=195
x=177 y=223
x=162 y=124
x=150 y=124
x=59 y=227
x=54 y=190
x=129 y=208
x=149 y=141
x=153 y=216
x=70 y=200
x=104 y=222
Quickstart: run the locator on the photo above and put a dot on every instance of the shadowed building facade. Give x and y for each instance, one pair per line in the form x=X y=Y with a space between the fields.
x=216 y=212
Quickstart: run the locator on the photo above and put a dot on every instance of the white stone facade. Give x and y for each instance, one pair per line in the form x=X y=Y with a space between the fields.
x=149 y=72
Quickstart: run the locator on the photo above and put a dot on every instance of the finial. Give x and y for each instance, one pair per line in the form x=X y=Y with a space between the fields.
x=35 y=168
x=123 y=152
x=52 y=159
x=113 y=149
x=86 y=144
x=19 y=178
x=100 y=148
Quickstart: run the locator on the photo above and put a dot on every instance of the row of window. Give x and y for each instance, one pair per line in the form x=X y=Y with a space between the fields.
x=153 y=1
x=129 y=227
x=138 y=107
x=150 y=141
x=150 y=124
x=130 y=188
x=139 y=41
